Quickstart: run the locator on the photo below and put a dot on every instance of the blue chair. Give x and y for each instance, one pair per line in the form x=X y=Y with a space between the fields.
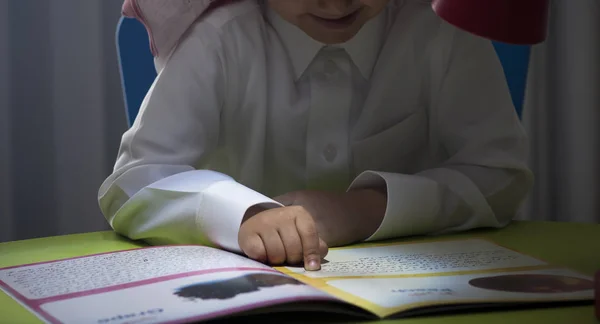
x=136 y=65
x=515 y=62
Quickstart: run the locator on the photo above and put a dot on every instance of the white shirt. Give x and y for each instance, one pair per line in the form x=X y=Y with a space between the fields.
x=248 y=107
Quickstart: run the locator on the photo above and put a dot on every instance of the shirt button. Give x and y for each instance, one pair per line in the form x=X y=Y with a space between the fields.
x=330 y=152
x=321 y=77
x=330 y=68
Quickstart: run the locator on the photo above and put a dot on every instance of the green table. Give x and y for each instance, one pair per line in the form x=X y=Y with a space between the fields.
x=573 y=245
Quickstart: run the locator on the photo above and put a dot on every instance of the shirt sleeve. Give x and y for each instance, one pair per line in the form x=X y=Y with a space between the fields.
x=485 y=179
x=155 y=193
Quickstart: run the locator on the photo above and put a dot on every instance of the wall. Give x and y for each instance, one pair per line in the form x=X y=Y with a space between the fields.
x=61 y=114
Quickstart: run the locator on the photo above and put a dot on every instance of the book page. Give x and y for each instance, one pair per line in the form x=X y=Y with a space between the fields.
x=389 y=296
x=386 y=279
x=419 y=258
x=150 y=285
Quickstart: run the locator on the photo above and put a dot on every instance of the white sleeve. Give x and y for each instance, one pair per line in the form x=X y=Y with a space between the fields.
x=485 y=179
x=155 y=193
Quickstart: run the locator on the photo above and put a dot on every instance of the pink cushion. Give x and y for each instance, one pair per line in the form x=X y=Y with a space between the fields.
x=167 y=20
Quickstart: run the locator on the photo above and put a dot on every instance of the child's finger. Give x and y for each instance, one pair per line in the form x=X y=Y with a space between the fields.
x=253 y=246
x=273 y=245
x=323 y=248
x=292 y=244
x=310 y=242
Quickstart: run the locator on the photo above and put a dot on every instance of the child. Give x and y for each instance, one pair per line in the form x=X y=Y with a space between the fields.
x=278 y=128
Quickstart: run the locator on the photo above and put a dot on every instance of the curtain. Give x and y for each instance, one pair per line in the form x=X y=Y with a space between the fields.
x=62 y=115
x=562 y=114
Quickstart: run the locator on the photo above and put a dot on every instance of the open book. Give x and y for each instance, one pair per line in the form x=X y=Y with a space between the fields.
x=181 y=284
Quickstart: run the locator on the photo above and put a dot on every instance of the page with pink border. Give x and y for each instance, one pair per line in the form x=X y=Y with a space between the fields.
x=176 y=284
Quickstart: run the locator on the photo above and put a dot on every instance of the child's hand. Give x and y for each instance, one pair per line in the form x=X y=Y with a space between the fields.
x=282 y=235
x=341 y=218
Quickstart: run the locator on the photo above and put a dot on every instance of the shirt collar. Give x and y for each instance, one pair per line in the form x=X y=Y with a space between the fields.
x=302 y=49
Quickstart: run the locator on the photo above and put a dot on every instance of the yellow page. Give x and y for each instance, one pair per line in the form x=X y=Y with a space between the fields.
x=391 y=278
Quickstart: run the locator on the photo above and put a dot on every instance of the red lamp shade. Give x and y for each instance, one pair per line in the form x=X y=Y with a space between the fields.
x=508 y=21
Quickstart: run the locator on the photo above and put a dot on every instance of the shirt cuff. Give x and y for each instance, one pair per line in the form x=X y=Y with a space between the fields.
x=413 y=203
x=222 y=204
x=222 y=208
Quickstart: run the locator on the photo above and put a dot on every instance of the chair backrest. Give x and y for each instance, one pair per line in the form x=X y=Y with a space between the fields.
x=515 y=62
x=136 y=64
x=137 y=69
